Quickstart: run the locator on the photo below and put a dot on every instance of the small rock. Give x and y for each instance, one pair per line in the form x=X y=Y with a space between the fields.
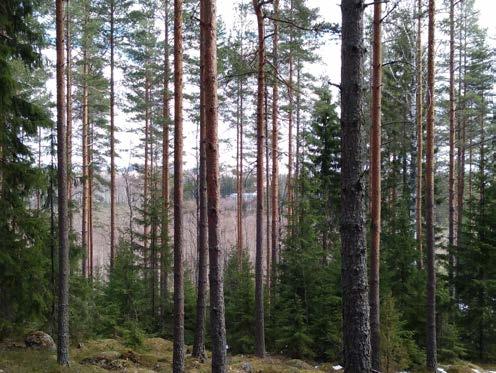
x=80 y=345
x=40 y=340
x=300 y=364
x=247 y=367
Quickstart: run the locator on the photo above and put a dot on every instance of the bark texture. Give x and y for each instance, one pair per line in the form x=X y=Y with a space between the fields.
x=201 y=307
x=356 y=331
x=112 y=135
x=217 y=318
x=431 y=345
x=259 y=292
x=178 y=350
x=63 y=234
x=420 y=134
x=375 y=188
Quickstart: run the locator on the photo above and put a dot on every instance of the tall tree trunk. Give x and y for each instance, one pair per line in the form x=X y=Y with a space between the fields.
x=68 y=72
x=146 y=182
x=240 y=199
x=482 y=228
x=462 y=122
x=164 y=255
x=112 y=135
x=38 y=192
x=85 y=150
x=356 y=332
x=90 y=201
x=267 y=195
x=199 y=341
x=375 y=188
x=429 y=198
x=275 y=148
x=63 y=311
x=452 y=120
x=420 y=134
x=259 y=292
x=289 y=182
x=217 y=318
x=178 y=353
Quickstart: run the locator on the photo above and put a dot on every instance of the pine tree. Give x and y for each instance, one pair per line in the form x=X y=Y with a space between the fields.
x=356 y=331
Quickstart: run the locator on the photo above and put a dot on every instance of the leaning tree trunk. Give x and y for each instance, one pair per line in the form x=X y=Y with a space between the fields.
x=178 y=351
x=429 y=198
x=199 y=341
x=259 y=292
x=375 y=189
x=217 y=318
x=356 y=332
x=63 y=311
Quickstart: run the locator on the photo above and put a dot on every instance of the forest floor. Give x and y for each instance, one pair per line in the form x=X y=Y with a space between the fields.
x=156 y=356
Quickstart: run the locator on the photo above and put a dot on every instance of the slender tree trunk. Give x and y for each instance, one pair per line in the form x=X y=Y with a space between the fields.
x=217 y=318
x=38 y=192
x=482 y=228
x=420 y=135
x=164 y=255
x=240 y=243
x=112 y=135
x=146 y=182
x=462 y=88
x=429 y=192
x=178 y=353
x=199 y=342
x=68 y=68
x=259 y=292
x=275 y=149
x=90 y=202
x=452 y=121
x=356 y=331
x=267 y=196
x=85 y=145
x=290 y=177
x=375 y=188
x=63 y=311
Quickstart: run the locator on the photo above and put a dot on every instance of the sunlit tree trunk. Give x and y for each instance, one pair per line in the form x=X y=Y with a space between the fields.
x=112 y=135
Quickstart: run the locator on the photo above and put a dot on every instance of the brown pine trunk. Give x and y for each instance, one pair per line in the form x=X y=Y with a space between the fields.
x=289 y=182
x=462 y=63
x=267 y=197
x=239 y=196
x=199 y=341
x=275 y=149
x=375 y=188
x=259 y=292
x=85 y=146
x=146 y=182
x=90 y=203
x=217 y=320
x=38 y=192
x=452 y=120
x=178 y=351
x=420 y=134
x=356 y=332
x=164 y=257
x=112 y=136
x=429 y=194
x=68 y=72
x=63 y=311
x=240 y=180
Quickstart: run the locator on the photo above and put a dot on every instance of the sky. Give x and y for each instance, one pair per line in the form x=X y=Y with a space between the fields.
x=328 y=67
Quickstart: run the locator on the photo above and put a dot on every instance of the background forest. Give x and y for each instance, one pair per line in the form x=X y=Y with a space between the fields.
x=280 y=178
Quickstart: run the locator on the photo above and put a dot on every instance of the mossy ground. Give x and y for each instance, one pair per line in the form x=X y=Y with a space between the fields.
x=155 y=355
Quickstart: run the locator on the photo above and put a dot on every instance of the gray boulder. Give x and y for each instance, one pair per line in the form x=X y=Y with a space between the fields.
x=40 y=341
